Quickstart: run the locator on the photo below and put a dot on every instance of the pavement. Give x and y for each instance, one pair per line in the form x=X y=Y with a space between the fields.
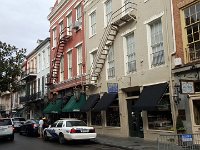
x=128 y=143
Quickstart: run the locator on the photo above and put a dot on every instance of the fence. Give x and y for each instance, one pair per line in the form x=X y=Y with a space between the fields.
x=179 y=142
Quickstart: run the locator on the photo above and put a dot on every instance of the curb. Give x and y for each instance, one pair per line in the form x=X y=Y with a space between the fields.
x=113 y=145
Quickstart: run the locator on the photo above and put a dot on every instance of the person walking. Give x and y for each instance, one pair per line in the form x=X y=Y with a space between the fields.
x=41 y=122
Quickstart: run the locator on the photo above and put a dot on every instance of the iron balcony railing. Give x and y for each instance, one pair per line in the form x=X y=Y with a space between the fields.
x=29 y=72
x=192 y=55
x=32 y=97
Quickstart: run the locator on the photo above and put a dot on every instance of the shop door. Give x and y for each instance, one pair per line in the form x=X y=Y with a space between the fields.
x=135 y=121
x=195 y=114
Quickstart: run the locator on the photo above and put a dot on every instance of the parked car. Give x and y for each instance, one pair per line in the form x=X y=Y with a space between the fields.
x=18 y=121
x=29 y=128
x=69 y=129
x=6 y=128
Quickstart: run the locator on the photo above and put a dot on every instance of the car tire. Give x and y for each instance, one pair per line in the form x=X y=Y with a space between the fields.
x=45 y=137
x=61 y=139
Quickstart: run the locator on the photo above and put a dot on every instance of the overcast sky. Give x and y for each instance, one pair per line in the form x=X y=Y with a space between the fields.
x=23 y=22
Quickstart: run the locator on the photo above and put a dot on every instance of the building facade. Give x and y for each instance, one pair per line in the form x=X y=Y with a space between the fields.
x=35 y=72
x=129 y=49
x=186 y=70
x=67 y=57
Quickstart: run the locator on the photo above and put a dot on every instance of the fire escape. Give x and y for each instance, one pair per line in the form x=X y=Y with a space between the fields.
x=64 y=37
x=120 y=17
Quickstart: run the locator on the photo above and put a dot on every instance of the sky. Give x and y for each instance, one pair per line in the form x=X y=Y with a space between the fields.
x=23 y=22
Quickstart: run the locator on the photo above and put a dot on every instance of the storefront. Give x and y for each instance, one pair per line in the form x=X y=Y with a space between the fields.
x=152 y=113
x=188 y=92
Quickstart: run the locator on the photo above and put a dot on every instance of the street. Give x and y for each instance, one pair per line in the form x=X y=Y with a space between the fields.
x=31 y=143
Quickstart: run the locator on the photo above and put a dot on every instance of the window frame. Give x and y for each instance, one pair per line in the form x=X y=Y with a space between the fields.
x=127 y=71
x=92 y=25
x=79 y=13
x=69 y=24
x=69 y=66
x=111 y=63
x=107 y=14
x=79 y=49
x=54 y=36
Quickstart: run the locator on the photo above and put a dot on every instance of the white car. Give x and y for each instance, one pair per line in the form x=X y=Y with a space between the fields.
x=6 y=128
x=69 y=129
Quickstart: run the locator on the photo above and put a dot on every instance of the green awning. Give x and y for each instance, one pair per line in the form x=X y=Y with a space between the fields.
x=54 y=107
x=74 y=105
x=47 y=110
x=57 y=107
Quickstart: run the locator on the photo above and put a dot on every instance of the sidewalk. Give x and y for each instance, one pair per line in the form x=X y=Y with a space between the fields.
x=129 y=143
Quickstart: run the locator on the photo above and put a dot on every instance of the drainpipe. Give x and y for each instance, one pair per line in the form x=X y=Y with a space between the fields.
x=170 y=54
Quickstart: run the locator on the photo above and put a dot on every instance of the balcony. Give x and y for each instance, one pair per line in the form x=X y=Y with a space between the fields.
x=29 y=74
x=31 y=98
x=124 y=14
x=192 y=55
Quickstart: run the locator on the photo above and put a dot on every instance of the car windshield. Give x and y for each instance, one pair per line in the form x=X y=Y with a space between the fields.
x=19 y=119
x=76 y=123
x=5 y=122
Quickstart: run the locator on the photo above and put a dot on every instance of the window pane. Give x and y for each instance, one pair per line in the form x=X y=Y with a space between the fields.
x=96 y=118
x=196 y=110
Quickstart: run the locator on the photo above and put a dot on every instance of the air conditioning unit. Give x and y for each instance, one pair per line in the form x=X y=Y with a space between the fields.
x=177 y=61
x=76 y=25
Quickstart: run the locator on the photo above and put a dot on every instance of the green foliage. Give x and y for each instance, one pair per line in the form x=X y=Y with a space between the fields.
x=179 y=124
x=11 y=59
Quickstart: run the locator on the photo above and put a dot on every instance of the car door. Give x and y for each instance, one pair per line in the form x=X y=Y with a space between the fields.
x=51 y=132
x=59 y=127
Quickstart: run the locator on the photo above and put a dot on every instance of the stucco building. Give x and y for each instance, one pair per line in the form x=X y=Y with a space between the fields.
x=129 y=47
x=34 y=77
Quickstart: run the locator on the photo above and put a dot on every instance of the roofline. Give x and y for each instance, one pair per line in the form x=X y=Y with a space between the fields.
x=38 y=47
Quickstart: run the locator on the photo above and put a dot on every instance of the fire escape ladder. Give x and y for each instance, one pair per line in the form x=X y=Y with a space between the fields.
x=119 y=18
x=55 y=67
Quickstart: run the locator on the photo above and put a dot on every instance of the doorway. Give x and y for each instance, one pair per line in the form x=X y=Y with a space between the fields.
x=134 y=120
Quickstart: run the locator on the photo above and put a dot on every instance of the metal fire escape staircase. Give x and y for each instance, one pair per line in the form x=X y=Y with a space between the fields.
x=119 y=18
x=55 y=67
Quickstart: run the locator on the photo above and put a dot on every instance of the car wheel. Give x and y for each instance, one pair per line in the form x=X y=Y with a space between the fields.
x=45 y=137
x=61 y=139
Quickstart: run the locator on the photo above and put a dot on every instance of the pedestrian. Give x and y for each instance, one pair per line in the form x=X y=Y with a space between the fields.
x=41 y=122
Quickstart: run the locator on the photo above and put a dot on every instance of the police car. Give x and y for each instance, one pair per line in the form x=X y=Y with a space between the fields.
x=69 y=129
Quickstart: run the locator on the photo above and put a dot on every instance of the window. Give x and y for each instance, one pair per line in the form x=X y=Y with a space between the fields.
x=93 y=57
x=69 y=24
x=108 y=11
x=93 y=23
x=61 y=29
x=157 y=50
x=54 y=37
x=161 y=119
x=60 y=123
x=44 y=60
x=79 y=60
x=43 y=83
x=70 y=64
x=192 y=26
x=62 y=68
x=39 y=60
x=130 y=56
x=96 y=118
x=112 y=114
x=111 y=63
x=38 y=84
x=78 y=13
x=196 y=110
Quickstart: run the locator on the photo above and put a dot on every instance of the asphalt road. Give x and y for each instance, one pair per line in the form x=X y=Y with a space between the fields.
x=33 y=143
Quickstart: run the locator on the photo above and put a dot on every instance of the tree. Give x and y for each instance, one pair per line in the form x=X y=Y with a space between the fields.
x=11 y=59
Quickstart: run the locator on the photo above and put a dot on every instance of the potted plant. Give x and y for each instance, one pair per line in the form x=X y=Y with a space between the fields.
x=180 y=126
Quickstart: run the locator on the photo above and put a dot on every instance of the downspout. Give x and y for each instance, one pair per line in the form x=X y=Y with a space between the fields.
x=170 y=55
